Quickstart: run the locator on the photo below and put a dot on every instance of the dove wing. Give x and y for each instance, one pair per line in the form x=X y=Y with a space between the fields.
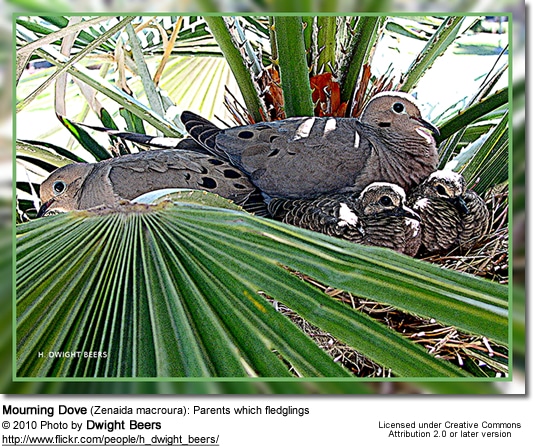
x=134 y=175
x=298 y=157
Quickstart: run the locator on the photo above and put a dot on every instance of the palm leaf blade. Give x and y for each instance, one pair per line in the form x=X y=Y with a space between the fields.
x=180 y=333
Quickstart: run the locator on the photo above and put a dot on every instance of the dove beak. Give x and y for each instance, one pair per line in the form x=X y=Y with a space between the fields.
x=460 y=205
x=428 y=125
x=44 y=208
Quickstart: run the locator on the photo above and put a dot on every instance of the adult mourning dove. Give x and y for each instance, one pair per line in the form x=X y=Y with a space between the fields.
x=87 y=185
x=377 y=216
x=312 y=156
x=451 y=215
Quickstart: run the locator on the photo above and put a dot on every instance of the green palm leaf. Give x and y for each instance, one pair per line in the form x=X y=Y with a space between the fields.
x=294 y=72
x=435 y=47
x=179 y=290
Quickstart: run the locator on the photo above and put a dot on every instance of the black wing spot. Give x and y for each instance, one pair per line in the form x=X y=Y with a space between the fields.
x=208 y=183
x=274 y=152
x=246 y=134
x=384 y=124
x=215 y=162
x=187 y=176
x=231 y=173
x=239 y=186
x=273 y=137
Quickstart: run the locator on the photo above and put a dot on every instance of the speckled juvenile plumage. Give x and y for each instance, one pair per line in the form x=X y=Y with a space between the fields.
x=313 y=156
x=475 y=224
x=86 y=185
x=378 y=217
x=451 y=215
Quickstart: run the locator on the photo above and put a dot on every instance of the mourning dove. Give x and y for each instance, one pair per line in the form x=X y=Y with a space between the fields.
x=451 y=215
x=312 y=156
x=377 y=216
x=86 y=185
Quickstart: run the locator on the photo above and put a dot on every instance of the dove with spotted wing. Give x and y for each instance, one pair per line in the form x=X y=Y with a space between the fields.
x=311 y=156
x=86 y=185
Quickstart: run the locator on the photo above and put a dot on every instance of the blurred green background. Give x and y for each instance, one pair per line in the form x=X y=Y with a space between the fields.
x=518 y=229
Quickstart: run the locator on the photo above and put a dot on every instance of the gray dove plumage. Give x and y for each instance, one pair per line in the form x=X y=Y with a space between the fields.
x=451 y=215
x=312 y=156
x=377 y=216
x=85 y=185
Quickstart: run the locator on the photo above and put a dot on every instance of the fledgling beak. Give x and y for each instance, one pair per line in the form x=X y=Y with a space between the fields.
x=409 y=213
x=460 y=205
x=404 y=211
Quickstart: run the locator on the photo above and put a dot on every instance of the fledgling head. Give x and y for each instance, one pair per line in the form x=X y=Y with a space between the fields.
x=447 y=185
x=60 y=191
x=384 y=199
x=397 y=116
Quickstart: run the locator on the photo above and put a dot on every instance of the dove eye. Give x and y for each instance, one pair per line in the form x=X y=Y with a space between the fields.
x=59 y=187
x=385 y=201
x=398 y=107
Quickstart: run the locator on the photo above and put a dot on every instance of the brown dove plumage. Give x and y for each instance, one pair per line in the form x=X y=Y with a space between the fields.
x=451 y=215
x=86 y=185
x=312 y=156
x=378 y=217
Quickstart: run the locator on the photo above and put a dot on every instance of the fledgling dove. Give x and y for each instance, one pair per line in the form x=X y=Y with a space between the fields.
x=378 y=217
x=312 y=156
x=87 y=185
x=451 y=215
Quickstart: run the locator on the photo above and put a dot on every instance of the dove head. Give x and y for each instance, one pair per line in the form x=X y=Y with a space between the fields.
x=60 y=191
x=385 y=199
x=395 y=116
x=447 y=185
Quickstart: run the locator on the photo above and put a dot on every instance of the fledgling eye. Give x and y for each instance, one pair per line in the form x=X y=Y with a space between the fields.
x=398 y=107
x=385 y=200
x=59 y=187
x=441 y=190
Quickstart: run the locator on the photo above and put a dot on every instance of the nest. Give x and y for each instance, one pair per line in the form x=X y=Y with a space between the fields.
x=480 y=356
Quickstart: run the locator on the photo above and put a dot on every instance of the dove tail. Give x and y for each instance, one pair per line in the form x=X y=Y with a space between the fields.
x=202 y=131
x=138 y=138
